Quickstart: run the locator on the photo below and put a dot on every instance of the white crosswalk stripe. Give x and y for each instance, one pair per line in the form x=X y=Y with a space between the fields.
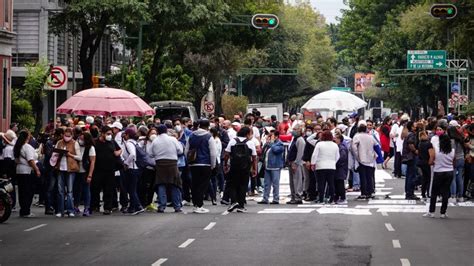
x=381 y=205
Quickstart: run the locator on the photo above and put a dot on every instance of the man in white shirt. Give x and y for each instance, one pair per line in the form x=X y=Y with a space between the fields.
x=239 y=174
x=165 y=150
x=232 y=132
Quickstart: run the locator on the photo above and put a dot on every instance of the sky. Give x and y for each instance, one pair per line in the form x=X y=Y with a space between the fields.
x=329 y=8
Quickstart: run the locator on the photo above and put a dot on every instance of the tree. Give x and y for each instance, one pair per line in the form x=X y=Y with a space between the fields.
x=90 y=18
x=35 y=80
x=21 y=110
x=169 y=20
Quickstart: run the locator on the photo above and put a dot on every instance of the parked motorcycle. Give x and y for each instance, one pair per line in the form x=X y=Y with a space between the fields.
x=6 y=187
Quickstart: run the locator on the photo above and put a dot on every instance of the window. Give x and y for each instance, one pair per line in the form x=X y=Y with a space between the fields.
x=6 y=6
x=5 y=90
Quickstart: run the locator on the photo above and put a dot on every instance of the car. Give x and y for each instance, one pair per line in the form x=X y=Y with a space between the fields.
x=171 y=110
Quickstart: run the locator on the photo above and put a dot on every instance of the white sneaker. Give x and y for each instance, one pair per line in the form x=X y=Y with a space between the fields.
x=71 y=215
x=461 y=199
x=443 y=216
x=186 y=203
x=452 y=200
x=428 y=215
x=59 y=215
x=200 y=210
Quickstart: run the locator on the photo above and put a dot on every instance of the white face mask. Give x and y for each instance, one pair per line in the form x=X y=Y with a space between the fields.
x=152 y=137
x=81 y=142
x=309 y=133
x=178 y=128
x=108 y=138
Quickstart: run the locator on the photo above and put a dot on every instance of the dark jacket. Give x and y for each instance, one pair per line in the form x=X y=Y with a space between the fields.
x=342 y=165
x=293 y=151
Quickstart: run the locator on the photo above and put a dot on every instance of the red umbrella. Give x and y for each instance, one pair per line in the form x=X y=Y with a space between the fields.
x=105 y=101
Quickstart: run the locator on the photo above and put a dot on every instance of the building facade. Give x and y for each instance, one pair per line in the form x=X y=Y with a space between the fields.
x=34 y=41
x=6 y=42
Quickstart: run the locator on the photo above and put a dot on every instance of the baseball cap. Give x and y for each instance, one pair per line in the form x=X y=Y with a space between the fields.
x=81 y=124
x=354 y=114
x=286 y=114
x=235 y=123
x=454 y=123
x=269 y=129
x=117 y=124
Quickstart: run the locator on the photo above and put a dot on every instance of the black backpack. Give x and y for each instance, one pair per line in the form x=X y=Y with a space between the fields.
x=240 y=155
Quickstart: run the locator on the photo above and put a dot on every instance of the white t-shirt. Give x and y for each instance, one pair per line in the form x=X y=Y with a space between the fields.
x=256 y=132
x=91 y=154
x=27 y=154
x=249 y=143
x=218 y=149
x=399 y=140
x=232 y=133
x=443 y=162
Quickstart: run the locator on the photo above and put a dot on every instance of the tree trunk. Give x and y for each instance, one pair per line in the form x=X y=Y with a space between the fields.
x=86 y=69
x=38 y=110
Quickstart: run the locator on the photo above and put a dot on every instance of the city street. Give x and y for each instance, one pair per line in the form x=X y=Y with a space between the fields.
x=379 y=232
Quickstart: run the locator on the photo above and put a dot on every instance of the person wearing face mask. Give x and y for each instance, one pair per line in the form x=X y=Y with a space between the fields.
x=182 y=164
x=297 y=170
x=457 y=140
x=68 y=166
x=284 y=126
x=273 y=163
x=107 y=150
x=147 y=181
x=86 y=170
x=26 y=169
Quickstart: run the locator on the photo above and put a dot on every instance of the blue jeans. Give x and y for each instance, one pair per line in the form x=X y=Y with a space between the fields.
x=86 y=190
x=175 y=195
x=410 y=178
x=457 y=184
x=130 y=182
x=65 y=181
x=355 y=180
x=271 y=179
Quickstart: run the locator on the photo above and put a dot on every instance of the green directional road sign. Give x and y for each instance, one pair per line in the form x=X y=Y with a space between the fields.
x=346 y=89
x=426 y=59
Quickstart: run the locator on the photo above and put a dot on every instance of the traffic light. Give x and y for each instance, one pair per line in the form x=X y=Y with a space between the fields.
x=265 y=21
x=444 y=11
x=95 y=81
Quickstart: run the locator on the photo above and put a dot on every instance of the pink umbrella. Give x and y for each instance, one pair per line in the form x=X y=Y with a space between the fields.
x=105 y=101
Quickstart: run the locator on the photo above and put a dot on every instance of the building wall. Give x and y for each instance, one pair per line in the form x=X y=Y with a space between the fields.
x=6 y=40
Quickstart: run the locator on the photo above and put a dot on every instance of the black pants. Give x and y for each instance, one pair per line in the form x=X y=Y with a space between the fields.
x=340 y=189
x=103 y=181
x=326 y=177
x=397 y=169
x=120 y=187
x=200 y=183
x=425 y=180
x=441 y=185
x=366 y=174
x=312 y=192
x=25 y=192
x=238 y=183
x=186 y=179
x=146 y=187
x=77 y=188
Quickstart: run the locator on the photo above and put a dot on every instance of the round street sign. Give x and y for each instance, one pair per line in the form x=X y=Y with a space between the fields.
x=209 y=107
x=57 y=78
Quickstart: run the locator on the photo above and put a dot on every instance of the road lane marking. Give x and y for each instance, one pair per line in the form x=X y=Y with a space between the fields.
x=390 y=227
x=350 y=211
x=321 y=205
x=405 y=202
x=209 y=226
x=187 y=243
x=34 y=227
x=396 y=243
x=286 y=211
x=405 y=262
x=384 y=214
x=159 y=262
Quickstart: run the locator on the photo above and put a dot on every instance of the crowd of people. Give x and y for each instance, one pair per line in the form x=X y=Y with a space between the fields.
x=118 y=165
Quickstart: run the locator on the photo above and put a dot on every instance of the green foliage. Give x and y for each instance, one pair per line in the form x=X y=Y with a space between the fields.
x=469 y=109
x=22 y=111
x=36 y=76
x=234 y=104
x=175 y=85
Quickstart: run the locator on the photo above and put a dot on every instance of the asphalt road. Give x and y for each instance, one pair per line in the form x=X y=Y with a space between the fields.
x=387 y=232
